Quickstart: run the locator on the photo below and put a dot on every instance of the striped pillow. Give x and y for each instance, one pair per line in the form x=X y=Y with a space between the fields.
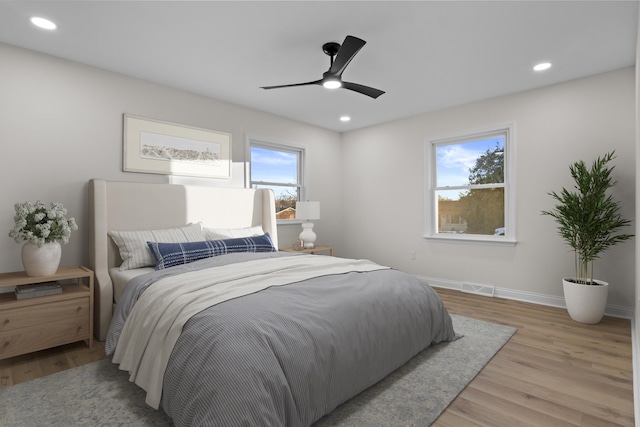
x=133 y=244
x=170 y=254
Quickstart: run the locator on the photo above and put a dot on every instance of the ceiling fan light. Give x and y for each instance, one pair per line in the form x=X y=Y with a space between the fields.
x=332 y=84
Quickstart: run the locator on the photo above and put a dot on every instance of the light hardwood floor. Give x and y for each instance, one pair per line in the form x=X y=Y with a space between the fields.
x=46 y=362
x=553 y=371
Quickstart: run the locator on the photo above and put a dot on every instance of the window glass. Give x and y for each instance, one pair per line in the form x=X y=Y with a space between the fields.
x=280 y=169
x=469 y=187
x=477 y=211
x=271 y=165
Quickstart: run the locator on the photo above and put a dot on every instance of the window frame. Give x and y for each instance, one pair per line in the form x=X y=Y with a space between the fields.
x=431 y=204
x=255 y=141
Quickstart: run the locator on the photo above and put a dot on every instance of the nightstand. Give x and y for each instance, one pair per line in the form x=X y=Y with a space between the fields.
x=38 y=323
x=317 y=248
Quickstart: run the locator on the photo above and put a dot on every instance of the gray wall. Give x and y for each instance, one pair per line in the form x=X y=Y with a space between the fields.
x=384 y=187
x=636 y=325
x=61 y=125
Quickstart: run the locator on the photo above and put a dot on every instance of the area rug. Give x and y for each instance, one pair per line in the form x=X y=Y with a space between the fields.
x=98 y=394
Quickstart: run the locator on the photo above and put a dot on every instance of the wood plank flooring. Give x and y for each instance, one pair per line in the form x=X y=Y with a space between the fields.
x=34 y=365
x=553 y=371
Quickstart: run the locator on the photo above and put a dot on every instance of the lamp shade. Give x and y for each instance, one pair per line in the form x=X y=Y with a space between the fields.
x=308 y=210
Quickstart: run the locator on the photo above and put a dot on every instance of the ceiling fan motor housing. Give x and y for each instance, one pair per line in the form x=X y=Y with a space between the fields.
x=331 y=49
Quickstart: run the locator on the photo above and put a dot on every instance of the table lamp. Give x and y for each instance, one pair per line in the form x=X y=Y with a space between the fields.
x=308 y=211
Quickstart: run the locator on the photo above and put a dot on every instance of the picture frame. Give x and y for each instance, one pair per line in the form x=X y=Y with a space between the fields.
x=154 y=146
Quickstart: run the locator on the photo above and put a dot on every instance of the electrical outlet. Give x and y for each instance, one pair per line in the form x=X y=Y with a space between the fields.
x=412 y=255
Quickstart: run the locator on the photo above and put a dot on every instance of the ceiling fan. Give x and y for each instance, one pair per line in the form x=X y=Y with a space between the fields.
x=340 y=58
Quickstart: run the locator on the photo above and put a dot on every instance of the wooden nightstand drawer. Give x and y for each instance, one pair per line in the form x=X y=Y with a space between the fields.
x=39 y=337
x=43 y=313
x=38 y=323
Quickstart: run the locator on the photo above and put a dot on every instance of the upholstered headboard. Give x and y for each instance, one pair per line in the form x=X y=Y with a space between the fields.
x=142 y=206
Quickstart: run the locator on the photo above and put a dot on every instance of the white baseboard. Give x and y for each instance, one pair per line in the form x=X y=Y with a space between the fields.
x=525 y=296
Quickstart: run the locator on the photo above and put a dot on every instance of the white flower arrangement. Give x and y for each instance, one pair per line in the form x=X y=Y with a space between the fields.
x=36 y=224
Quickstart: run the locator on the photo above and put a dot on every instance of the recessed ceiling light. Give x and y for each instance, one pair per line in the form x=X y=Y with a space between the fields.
x=43 y=23
x=345 y=118
x=542 y=66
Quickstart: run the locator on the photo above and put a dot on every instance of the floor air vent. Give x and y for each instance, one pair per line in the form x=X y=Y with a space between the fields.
x=474 y=288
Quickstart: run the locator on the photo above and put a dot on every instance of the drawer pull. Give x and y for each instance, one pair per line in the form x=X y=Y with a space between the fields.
x=6 y=322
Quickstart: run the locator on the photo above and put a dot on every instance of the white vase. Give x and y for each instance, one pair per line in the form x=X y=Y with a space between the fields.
x=585 y=303
x=41 y=261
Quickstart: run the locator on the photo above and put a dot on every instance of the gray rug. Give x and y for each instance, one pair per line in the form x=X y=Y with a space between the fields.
x=98 y=394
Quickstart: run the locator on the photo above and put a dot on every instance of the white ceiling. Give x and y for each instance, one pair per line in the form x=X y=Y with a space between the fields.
x=426 y=55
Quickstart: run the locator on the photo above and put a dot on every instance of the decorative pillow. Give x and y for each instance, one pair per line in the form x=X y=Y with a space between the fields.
x=133 y=244
x=232 y=233
x=170 y=254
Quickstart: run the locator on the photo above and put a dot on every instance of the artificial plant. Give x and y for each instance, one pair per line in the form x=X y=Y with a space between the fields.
x=589 y=218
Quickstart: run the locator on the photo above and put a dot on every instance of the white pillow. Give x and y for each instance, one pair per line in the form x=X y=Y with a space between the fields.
x=133 y=244
x=232 y=233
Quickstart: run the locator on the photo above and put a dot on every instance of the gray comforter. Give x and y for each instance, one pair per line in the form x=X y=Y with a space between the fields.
x=288 y=355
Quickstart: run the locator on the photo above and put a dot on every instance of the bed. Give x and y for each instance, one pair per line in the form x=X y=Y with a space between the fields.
x=220 y=328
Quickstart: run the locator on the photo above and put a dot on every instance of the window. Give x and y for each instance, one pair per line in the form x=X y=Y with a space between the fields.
x=278 y=167
x=469 y=186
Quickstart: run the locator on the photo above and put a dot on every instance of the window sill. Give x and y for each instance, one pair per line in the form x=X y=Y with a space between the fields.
x=289 y=222
x=474 y=240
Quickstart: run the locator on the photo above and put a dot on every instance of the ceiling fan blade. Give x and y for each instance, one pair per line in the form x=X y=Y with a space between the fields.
x=317 y=82
x=348 y=50
x=365 y=90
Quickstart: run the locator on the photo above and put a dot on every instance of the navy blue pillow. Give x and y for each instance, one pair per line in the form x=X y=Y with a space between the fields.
x=170 y=254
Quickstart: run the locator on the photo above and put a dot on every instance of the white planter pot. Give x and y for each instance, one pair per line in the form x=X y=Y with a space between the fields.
x=41 y=261
x=585 y=303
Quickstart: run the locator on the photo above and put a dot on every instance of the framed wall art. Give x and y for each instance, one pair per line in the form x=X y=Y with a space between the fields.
x=153 y=146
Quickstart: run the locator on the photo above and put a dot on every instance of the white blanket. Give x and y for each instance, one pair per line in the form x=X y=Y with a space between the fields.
x=155 y=323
